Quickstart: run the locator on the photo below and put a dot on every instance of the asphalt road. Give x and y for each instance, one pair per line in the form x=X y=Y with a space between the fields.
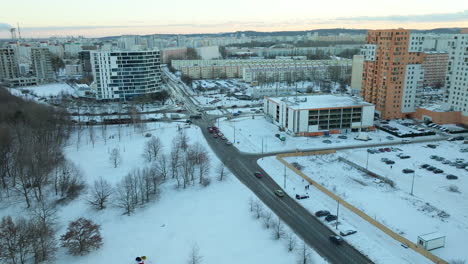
x=304 y=224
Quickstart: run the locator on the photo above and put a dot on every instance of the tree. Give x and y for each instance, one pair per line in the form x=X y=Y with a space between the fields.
x=82 y=236
x=195 y=257
x=115 y=158
x=304 y=255
x=291 y=239
x=267 y=219
x=278 y=228
x=15 y=240
x=44 y=217
x=68 y=180
x=100 y=193
x=258 y=209
x=152 y=149
x=192 y=54
x=221 y=172
x=161 y=166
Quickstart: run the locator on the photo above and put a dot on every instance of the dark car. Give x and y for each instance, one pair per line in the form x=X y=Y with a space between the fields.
x=437 y=171
x=431 y=146
x=300 y=197
x=424 y=166
x=451 y=177
x=389 y=162
x=330 y=218
x=408 y=171
x=347 y=232
x=322 y=213
x=258 y=174
x=336 y=240
x=404 y=157
x=431 y=168
x=459 y=138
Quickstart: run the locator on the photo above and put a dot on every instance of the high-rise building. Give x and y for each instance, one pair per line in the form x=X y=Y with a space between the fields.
x=42 y=64
x=356 y=73
x=125 y=74
x=392 y=74
x=8 y=64
x=435 y=68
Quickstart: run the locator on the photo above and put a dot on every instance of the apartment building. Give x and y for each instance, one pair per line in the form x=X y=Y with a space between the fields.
x=435 y=65
x=317 y=115
x=8 y=64
x=120 y=75
x=356 y=73
x=42 y=64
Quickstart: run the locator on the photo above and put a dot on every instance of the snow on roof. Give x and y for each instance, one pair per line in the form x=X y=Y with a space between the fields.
x=51 y=89
x=318 y=101
x=431 y=236
x=435 y=107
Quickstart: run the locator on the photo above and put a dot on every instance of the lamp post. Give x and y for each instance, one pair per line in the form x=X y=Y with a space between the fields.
x=367 y=160
x=412 y=183
x=337 y=211
x=234 y=133
x=284 y=177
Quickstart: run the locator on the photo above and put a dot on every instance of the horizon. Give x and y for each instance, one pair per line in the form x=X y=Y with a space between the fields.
x=108 y=18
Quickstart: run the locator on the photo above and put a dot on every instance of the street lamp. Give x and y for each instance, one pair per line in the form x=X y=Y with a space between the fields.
x=367 y=160
x=412 y=183
x=337 y=211
x=284 y=186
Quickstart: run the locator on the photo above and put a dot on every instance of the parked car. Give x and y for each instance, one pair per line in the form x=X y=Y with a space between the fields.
x=347 y=232
x=424 y=166
x=451 y=177
x=459 y=138
x=336 y=240
x=433 y=156
x=229 y=143
x=387 y=149
x=440 y=158
x=431 y=168
x=223 y=138
x=215 y=136
x=279 y=193
x=384 y=159
x=300 y=197
x=403 y=156
x=258 y=174
x=408 y=171
x=322 y=213
x=389 y=162
x=431 y=146
x=330 y=218
x=445 y=162
x=389 y=137
x=326 y=141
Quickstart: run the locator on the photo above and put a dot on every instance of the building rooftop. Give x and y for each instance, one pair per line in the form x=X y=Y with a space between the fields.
x=431 y=236
x=319 y=101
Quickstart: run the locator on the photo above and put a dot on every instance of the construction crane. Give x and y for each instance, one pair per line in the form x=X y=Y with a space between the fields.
x=13 y=33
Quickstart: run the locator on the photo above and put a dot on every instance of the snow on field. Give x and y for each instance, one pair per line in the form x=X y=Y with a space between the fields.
x=251 y=132
x=216 y=218
x=48 y=90
x=431 y=200
x=223 y=100
x=371 y=241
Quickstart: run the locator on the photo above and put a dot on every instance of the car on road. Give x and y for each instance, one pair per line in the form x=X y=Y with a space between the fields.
x=220 y=134
x=215 y=136
x=348 y=232
x=236 y=114
x=258 y=174
x=389 y=162
x=408 y=171
x=389 y=137
x=342 y=137
x=229 y=143
x=300 y=197
x=402 y=156
x=336 y=240
x=279 y=193
x=451 y=177
x=326 y=141
x=433 y=156
x=322 y=213
x=223 y=138
x=330 y=218
x=432 y=146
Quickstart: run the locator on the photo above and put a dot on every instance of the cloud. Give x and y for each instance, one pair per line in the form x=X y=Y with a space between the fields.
x=440 y=17
x=5 y=26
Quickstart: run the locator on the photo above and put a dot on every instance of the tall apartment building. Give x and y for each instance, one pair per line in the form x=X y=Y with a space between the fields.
x=42 y=64
x=392 y=74
x=125 y=74
x=8 y=64
x=435 y=68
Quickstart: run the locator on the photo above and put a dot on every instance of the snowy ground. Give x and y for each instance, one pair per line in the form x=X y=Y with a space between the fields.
x=216 y=218
x=50 y=90
x=250 y=133
x=223 y=100
x=371 y=241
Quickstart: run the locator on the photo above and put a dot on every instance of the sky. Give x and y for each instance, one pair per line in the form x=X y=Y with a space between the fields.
x=97 y=18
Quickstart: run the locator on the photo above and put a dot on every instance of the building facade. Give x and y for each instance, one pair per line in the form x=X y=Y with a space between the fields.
x=121 y=75
x=42 y=64
x=356 y=73
x=8 y=64
x=435 y=65
x=319 y=114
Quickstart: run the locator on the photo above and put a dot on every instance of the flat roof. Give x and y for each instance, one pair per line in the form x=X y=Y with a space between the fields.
x=319 y=101
x=431 y=236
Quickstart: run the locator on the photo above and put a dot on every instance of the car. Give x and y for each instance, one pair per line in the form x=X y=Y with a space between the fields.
x=461 y=166
x=451 y=139
x=336 y=240
x=300 y=197
x=348 y=232
x=322 y=213
x=431 y=146
x=229 y=143
x=234 y=106
x=408 y=171
x=389 y=162
x=431 y=168
x=210 y=130
x=384 y=159
x=331 y=217
x=424 y=166
x=258 y=174
x=406 y=141
x=219 y=107
x=220 y=134
x=387 y=149
x=433 y=156
x=463 y=150
x=215 y=136
x=342 y=137
x=451 y=177
x=445 y=162
x=279 y=193
x=223 y=137
x=258 y=111
x=389 y=137
x=236 y=114
x=381 y=150
x=404 y=156
x=440 y=158
x=326 y=141
x=215 y=128
x=459 y=138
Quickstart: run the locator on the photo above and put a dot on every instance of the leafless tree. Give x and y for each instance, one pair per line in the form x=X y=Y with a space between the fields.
x=115 y=158
x=304 y=255
x=152 y=149
x=68 y=180
x=82 y=236
x=15 y=240
x=221 y=172
x=44 y=217
x=278 y=228
x=251 y=204
x=92 y=135
x=291 y=240
x=174 y=162
x=258 y=209
x=125 y=195
x=195 y=257
x=162 y=166
x=100 y=193
x=267 y=219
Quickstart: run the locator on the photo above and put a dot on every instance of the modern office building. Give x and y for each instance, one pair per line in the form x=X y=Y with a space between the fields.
x=8 y=64
x=42 y=64
x=120 y=75
x=317 y=115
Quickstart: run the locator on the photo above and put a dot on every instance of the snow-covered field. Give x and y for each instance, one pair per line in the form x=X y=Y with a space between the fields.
x=49 y=90
x=223 y=100
x=250 y=133
x=408 y=215
x=215 y=218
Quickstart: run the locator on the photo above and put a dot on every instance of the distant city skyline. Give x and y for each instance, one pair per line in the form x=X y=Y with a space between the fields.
x=91 y=18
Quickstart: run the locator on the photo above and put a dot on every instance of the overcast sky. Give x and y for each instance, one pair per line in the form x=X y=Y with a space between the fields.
x=43 y=18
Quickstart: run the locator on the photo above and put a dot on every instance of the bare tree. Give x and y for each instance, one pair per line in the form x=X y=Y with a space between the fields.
x=258 y=209
x=291 y=239
x=115 y=158
x=195 y=257
x=304 y=255
x=15 y=240
x=267 y=219
x=125 y=196
x=100 y=193
x=44 y=217
x=82 y=236
x=221 y=172
x=251 y=204
x=278 y=228
x=68 y=180
x=92 y=135
x=152 y=149
x=161 y=166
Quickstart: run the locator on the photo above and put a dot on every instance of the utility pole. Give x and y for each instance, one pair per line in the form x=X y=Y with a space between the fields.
x=234 y=133
x=262 y=147
x=284 y=177
x=337 y=211
x=412 y=184
x=367 y=161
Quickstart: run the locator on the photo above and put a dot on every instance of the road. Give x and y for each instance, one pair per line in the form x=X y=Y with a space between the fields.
x=300 y=220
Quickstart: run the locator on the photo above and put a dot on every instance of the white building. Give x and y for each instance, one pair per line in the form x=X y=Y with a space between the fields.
x=356 y=73
x=42 y=64
x=208 y=53
x=457 y=74
x=316 y=115
x=125 y=74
